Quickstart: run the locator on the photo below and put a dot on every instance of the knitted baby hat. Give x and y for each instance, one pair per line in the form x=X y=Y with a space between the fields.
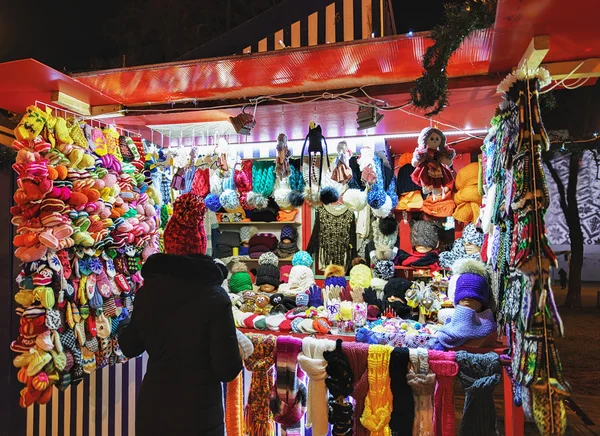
x=424 y=233
x=472 y=236
x=301 y=278
x=246 y=232
x=268 y=271
x=289 y=232
x=360 y=277
x=302 y=258
x=469 y=280
x=185 y=234
x=240 y=279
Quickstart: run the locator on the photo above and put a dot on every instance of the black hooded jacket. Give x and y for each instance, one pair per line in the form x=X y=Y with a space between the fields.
x=182 y=318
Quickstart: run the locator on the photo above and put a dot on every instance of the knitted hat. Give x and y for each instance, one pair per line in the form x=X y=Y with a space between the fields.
x=335 y=275
x=441 y=208
x=185 y=234
x=246 y=232
x=469 y=280
x=404 y=182
x=268 y=271
x=289 y=232
x=301 y=279
x=424 y=233
x=240 y=279
x=384 y=269
x=473 y=236
x=396 y=287
x=284 y=273
x=360 y=277
x=388 y=226
x=302 y=258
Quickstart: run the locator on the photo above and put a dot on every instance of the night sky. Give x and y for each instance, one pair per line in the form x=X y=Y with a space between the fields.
x=74 y=36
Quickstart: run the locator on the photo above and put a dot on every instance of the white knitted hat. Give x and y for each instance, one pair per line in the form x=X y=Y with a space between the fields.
x=301 y=279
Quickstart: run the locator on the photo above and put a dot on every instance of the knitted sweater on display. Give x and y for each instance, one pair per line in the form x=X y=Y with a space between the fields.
x=333 y=224
x=466 y=324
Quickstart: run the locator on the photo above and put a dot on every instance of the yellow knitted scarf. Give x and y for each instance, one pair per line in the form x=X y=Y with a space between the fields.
x=378 y=404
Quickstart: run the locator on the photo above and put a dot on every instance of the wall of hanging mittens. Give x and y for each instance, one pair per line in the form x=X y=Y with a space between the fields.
x=87 y=214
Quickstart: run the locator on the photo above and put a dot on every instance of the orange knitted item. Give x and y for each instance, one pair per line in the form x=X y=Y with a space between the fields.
x=410 y=201
x=467 y=199
x=234 y=408
x=440 y=209
x=404 y=159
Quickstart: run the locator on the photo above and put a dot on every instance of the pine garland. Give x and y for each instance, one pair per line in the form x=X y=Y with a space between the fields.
x=460 y=20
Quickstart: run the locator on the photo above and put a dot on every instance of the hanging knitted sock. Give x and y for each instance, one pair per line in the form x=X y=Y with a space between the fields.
x=234 y=408
x=258 y=418
x=378 y=404
x=403 y=411
x=422 y=383
x=357 y=354
x=339 y=382
x=479 y=375
x=443 y=365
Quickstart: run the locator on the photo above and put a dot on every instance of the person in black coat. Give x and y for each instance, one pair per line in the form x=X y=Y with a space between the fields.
x=182 y=318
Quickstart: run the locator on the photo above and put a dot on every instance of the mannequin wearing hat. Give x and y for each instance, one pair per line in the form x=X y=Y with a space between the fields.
x=267 y=274
x=467 y=247
x=472 y=323
x=424 y=238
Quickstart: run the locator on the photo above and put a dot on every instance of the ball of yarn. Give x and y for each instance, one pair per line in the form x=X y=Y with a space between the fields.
x=212 y=202
x=302 y=258
x=385 y=209
x=376 y=197
x=355 y=199
x=229 y=200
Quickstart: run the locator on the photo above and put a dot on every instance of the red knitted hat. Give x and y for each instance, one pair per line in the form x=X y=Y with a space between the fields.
x=201 y=184
x=185 y=234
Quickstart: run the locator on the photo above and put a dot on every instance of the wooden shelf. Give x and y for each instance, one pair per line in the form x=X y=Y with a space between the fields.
x=261 y=223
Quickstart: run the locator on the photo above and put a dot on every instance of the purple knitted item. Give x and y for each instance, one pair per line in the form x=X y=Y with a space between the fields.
x=288 y=397
x=469 y=285
x=336 y=281
x=466 y=324
x=357 y=355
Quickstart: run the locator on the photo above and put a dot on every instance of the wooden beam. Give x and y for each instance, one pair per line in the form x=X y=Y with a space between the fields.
x=70 y=103
x=588 y=69
x=114 y=110
x=536 y=52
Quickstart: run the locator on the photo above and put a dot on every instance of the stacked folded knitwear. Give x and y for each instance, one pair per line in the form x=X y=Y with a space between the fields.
x=262 y=243
x=225 y=242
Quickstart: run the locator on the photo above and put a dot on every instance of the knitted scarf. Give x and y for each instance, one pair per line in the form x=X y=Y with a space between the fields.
x=466 y=324
x=358 y=357
x=285 y=250
x=234 y=422
x=403 y=411
x=288 y=397
x=443 y=365
x=339 y=382
x=313 y=363
x=479 y=375
x=422 y=383
x=257 y=414
x=378 y=404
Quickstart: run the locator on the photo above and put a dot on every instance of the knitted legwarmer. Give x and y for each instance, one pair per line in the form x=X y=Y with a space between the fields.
x=422 y=383
x=288 y=397
x=313 y=363
x=357 y=354
x=339 y=382
x=378 y=404
x=443 y=364
x=257 y=413
x=479 y=375
x=234 y=408
x=403 y=410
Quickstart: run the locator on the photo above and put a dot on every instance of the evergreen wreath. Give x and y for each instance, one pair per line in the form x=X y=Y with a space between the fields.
x=460 y=20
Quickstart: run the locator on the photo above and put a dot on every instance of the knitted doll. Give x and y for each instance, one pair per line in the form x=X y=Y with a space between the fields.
x=342 y=172
x=432 y=160
x=282 y=167
x=267 y=274
x=473 y=322
x=262 y=305
x=281 y=303
x=424 y=238
x=469 y=246
x=315 y=139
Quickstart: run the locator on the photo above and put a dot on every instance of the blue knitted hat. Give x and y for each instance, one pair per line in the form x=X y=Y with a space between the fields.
x=336 y=281
x=470 y=285
x=302 y=258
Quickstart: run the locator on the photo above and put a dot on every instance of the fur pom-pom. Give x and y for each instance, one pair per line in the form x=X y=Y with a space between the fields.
x=229 y=200
x=296 y=198
x=212 y=202
x=376 y=197
x=282 y=198
x=335 y=271
x=385 y=209
x=329 y=195
x=388 y=225
x=258 y=201
x=238 y=267
x=470 y=266
x=313 y=198
x=355 y=199
x=359 y=261
x=383 y=252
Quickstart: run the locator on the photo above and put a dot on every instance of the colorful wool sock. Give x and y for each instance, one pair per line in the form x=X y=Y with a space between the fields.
x=422 y=383
x=479 y=375
x=444 y=366
x=288 y=397
x=257 y=414
x=378 y=404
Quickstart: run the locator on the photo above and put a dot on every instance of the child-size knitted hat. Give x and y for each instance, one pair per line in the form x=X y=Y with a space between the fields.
x=268 y=271
x=360 y=277
x=424 y=233
x=289 y=232
x=396 y=287
x=469 y=280
x=404 y=182
x=302 y=258
x=335 y=275
x=185 y=234
x=240 y=279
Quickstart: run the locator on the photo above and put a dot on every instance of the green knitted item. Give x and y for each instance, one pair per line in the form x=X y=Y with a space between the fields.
x=263 y=177
x=240 y=282
x=164 y=216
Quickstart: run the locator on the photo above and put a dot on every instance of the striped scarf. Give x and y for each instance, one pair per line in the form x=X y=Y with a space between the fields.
x=288 y=396
x=257 y=414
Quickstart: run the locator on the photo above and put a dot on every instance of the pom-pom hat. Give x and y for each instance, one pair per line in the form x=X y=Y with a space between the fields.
x=185 y=234
x=240 y=279
x=469 y=280
x=268 y=271
x=302 y=258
